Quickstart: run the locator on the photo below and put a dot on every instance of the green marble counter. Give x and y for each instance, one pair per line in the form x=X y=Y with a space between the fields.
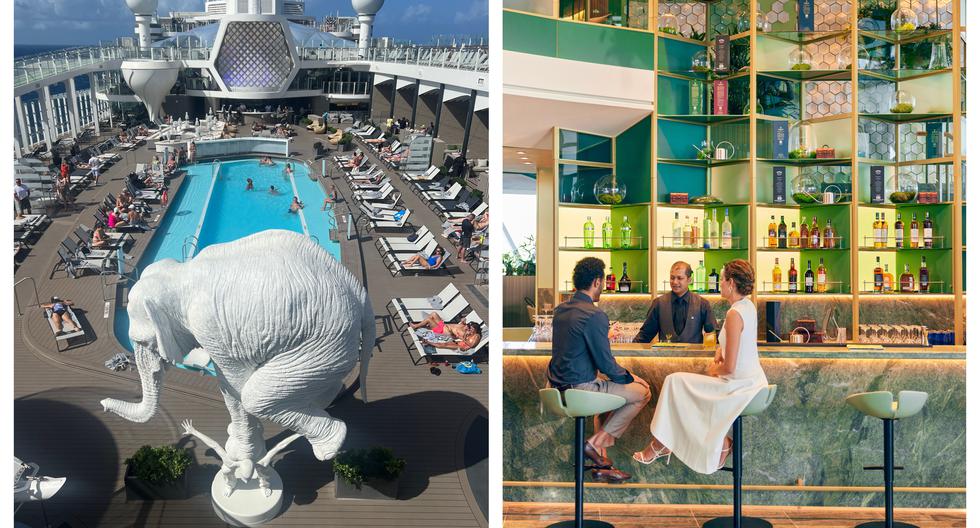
x=808 y=435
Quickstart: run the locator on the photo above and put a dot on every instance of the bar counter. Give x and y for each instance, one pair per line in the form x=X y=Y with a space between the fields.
x=808 y=448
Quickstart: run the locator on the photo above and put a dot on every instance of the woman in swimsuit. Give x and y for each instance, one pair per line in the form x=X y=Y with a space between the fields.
x=427 y=263
x=249 y=185
x=435 y=332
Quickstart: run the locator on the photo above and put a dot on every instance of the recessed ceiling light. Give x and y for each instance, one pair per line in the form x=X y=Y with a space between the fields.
x=524 y=157
x=520 y=152
x=528 y=163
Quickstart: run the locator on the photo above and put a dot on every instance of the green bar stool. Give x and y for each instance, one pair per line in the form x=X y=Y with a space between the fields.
x=759 y=403
x=579 y=404
x=882 y=404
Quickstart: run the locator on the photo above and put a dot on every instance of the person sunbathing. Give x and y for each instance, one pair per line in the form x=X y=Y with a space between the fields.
x=435 y=332
x=433 y=262
x=116 y=218
x=60 y=316
x=99 y=238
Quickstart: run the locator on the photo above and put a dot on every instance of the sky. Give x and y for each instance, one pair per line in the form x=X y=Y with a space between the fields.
x=78 y=22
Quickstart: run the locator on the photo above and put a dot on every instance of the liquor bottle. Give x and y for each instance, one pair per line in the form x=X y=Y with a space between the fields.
x=772 y=240
x=793 y=277
x=883 y=230
x=713 y=281
x=624 y=281
x=814 y=234
x=695 y=233
x=907 y=281
x=676 y=231
x=923 y=276
x=781 y=232
x=899 y=231
x=879 y=276
x=804 y=234
x=588 y=233
x=611 y=280
x=700 y=278
x=626 y=233
x=876 y=231
x=821 y=277
x=715 y=231
x=607 y=235
x=914 y=232
x=828 y=236
x=726 y=232
x=927 y=232
x=808 y=279
x=706 y=232
x=794 y=237
x=687 y=232
x=887 y=280
x=777 y=277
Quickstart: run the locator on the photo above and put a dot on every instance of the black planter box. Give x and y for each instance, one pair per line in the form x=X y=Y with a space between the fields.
x=370 y=489
x=138 y=489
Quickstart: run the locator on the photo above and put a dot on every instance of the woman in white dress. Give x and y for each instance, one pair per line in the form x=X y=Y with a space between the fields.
x=695 y=411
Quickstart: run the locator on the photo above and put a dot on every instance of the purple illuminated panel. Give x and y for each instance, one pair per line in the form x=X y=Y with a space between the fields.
x=254 y=56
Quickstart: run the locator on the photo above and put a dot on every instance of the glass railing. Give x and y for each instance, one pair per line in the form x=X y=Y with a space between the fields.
x=348 y=88
x=476 y=58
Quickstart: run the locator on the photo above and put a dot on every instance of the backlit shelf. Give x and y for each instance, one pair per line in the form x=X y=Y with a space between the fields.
x=702 y=162
x=804 y=37
x=906 y=118
x=807 y=75
x=902 y=74
x=800 y=162
x=902 y=37
x=668 y=205
x=705 y=119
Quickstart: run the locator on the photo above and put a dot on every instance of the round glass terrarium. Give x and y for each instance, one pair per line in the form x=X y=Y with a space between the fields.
x=701 y=61
x=904 y=19
x=742 y=22
x=800 y=59
x=906 y=189
x=903 y=102
x=608 y=191
x=668 y=24
x=762 y=23
x=806 y=189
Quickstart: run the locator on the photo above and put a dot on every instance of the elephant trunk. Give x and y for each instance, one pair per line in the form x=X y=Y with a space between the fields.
x=150 y=367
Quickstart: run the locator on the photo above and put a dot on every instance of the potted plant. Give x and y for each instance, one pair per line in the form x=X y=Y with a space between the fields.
x=368 y=473
x=345 y=141
x=157 y=473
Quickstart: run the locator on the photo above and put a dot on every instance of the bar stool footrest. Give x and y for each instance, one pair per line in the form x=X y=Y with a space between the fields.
x=882 y=468
x=729 y=522
x=881 y=524
x=586 y=523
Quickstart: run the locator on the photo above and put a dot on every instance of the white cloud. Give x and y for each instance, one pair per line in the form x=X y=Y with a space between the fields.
x=416 y=12
x=477 y=10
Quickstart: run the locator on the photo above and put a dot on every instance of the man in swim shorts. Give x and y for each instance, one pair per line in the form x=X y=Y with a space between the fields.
x=433 y=331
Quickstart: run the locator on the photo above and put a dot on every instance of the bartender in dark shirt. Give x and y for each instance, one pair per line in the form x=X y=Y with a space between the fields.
x=680 y=316
x=580 y=349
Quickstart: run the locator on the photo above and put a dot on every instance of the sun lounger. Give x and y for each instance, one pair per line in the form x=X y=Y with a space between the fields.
x=401 y=306
x=421 y=231
x=65 y=335
x=385 y=246
x=427 y=250
x=74 y=265
x=476 y=211
x=425 y=352
x=396 y=267
x=449 y=194
x=427 y=175
x=390 y=224
x=114 y=240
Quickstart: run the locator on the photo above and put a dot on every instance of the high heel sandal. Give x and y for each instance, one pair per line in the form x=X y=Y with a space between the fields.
x=727 y=451
x=657 y=453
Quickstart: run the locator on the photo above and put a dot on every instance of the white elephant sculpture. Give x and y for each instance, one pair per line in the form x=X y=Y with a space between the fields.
x=283 y=321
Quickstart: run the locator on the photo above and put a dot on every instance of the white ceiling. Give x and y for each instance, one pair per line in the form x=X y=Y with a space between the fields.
x=528 y=121
x=525 y=159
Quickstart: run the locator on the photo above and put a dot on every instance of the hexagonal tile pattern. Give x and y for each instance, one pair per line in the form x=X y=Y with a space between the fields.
x=690 y=16
x=254 y=55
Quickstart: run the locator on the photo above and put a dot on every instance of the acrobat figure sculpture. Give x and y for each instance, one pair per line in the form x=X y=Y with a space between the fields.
x=244 y=470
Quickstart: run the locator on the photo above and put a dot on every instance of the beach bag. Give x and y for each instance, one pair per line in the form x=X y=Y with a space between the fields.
x=468 y=367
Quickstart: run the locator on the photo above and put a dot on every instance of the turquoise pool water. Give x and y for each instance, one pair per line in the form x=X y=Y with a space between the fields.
x=232 y=212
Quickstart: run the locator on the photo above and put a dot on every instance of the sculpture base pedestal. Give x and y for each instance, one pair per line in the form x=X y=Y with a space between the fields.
x=247 y=505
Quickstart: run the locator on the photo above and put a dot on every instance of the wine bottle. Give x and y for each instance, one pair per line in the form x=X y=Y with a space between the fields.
x=626 y=234
x=607 y=233
x=914 y=232
x=907 y=281
x=793 y=277
x=923 y=275
x=624 y=281
x=899 y=231
x=611 y=280
x=777 y=277
x=821 y=277
x=676 y=231
x=715 y=230
x=887 y=280
x=828 y=236
x=927 y=232
x=687 y=231
x=794 y=237
x=700 y=278
x=808 y=279
x=781 y=231
x=804 y=234
x=814 y=234
x=879 y=276
x=772 y=240
x=706 y=232
x=588 y=233
x=713 y=281
x=726 y=232
x=695 y=233
x=876 y=231
x=883 y=229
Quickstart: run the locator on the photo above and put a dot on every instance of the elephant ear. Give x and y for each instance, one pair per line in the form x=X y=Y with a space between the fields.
x=163 y=326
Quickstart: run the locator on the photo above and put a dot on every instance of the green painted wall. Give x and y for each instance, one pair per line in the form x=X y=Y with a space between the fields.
x=633 y=160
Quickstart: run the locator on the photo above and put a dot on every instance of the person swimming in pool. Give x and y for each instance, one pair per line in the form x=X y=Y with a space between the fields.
x=272 y=190
x=288 y=171
x=436 y=260
x=433 y=331
x=249 y=185
x=296 y=205
x=266 y=161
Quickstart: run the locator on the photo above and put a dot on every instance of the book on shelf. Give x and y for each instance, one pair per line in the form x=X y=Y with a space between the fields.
x=805 y=15
x=720 y=97
x=779 y=185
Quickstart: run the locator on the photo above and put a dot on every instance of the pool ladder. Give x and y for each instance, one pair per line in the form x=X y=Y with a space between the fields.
x=189 y=248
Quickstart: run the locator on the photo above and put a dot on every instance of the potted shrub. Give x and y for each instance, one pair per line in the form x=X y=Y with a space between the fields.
x=345 y=141
x=157 y=473
x=367 y=473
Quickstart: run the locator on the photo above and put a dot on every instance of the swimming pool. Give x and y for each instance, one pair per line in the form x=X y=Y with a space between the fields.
x=213 y=206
